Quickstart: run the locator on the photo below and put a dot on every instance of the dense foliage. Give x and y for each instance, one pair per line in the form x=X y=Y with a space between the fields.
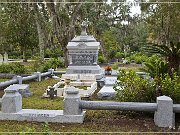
x=53 y=63
x=131 y=87
x=14 y=68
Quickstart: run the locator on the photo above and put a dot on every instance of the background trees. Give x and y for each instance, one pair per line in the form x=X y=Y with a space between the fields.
x=43 y=28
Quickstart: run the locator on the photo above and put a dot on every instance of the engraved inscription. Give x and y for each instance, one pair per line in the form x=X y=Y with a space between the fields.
x=82 y=71
x=39 y=115
x=83 y=59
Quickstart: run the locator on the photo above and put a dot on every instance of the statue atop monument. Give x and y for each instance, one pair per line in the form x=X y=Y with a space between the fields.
x=84 y=26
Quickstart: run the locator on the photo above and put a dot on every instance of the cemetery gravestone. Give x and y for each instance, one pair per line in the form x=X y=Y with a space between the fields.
x=52 y=92
x=1 y=59
x=107 y=91
x=83 y=55
x=5 y=57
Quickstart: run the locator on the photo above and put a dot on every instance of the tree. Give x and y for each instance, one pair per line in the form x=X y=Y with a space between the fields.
x=170 y=52
x=63 y=17
x=163 y=21
x=19 y=27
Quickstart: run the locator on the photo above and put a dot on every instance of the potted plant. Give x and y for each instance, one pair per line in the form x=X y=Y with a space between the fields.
x=108 y=70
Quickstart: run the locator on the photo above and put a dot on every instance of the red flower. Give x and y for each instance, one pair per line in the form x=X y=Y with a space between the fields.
x=108 y=68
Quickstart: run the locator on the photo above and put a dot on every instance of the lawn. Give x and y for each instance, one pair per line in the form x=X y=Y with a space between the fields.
x=2 y=80
x=95 y=120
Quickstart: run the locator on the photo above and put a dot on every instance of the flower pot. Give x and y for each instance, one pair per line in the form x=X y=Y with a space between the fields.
x=108 y=72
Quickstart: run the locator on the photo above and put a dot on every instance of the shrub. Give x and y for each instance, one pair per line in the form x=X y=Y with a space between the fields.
x=40 y=66
x=119 y=55
x=156 y=66
x=52 y=63
x=15 y=68
x=53 y=53
x=139 y=57
x=101 y=59
x=132 y=88
x=171 y=87
x=5 y=68
x=115 y=66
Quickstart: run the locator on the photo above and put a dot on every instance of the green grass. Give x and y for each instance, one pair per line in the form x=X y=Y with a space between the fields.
x=37 y=101
x=95 y=120
x=3 y=80
x=136 y=69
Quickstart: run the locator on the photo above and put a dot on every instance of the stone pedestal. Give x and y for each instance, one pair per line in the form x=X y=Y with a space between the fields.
x=11 y=101
x=71 y=102
x=164 y=116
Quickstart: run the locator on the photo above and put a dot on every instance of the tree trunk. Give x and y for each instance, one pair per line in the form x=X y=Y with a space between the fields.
x=66 y=61
x=41 y=35
x=24 y=54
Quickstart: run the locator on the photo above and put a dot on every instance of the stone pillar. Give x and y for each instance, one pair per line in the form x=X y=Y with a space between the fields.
x=39 y=76
x=11 y=101
x=19 y=78
x=51 y=70
x=71 y=102
x=164 y=116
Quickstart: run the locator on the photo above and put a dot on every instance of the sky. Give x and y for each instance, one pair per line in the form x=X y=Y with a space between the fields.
x=134 y=9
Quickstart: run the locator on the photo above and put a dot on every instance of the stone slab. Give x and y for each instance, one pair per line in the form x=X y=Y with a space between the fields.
x=43 y=116
x=87 y=77
x=110 y=81
x=69 y=76
x=23 y=89
x=114 y=73
x=96 y=70
x=107 y=92
x=89 y=91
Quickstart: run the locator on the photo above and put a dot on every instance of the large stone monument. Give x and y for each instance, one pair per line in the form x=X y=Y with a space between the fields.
x=83 y=55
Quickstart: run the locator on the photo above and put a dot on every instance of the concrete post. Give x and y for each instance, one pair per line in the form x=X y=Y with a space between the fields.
x=19 y=78
x=39 y=76
x=51 y=70
x=11 y=101
x=71 y=101
x=164 y=116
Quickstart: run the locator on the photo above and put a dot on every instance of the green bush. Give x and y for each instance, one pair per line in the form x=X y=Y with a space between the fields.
x=171 y=87
x=14 y=68
x=101 y=59
x=53 y=53
x=132 y=88
x=5 y=68
x=156 y=66
x=17 y=68
x=139 y=57
x=40 y=66
x=115 y=66
x=52 y=63
x=119 y=55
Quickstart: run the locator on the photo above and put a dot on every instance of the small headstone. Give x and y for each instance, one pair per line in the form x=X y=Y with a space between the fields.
x=52 y=92
x=5 y=57
x=106 y=92
x=1 y=59
x=110 y=81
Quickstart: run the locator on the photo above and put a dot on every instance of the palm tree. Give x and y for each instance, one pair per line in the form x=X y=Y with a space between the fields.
x=170 y=52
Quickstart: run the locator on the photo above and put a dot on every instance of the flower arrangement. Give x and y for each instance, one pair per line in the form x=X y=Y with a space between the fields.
x=108 y=68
